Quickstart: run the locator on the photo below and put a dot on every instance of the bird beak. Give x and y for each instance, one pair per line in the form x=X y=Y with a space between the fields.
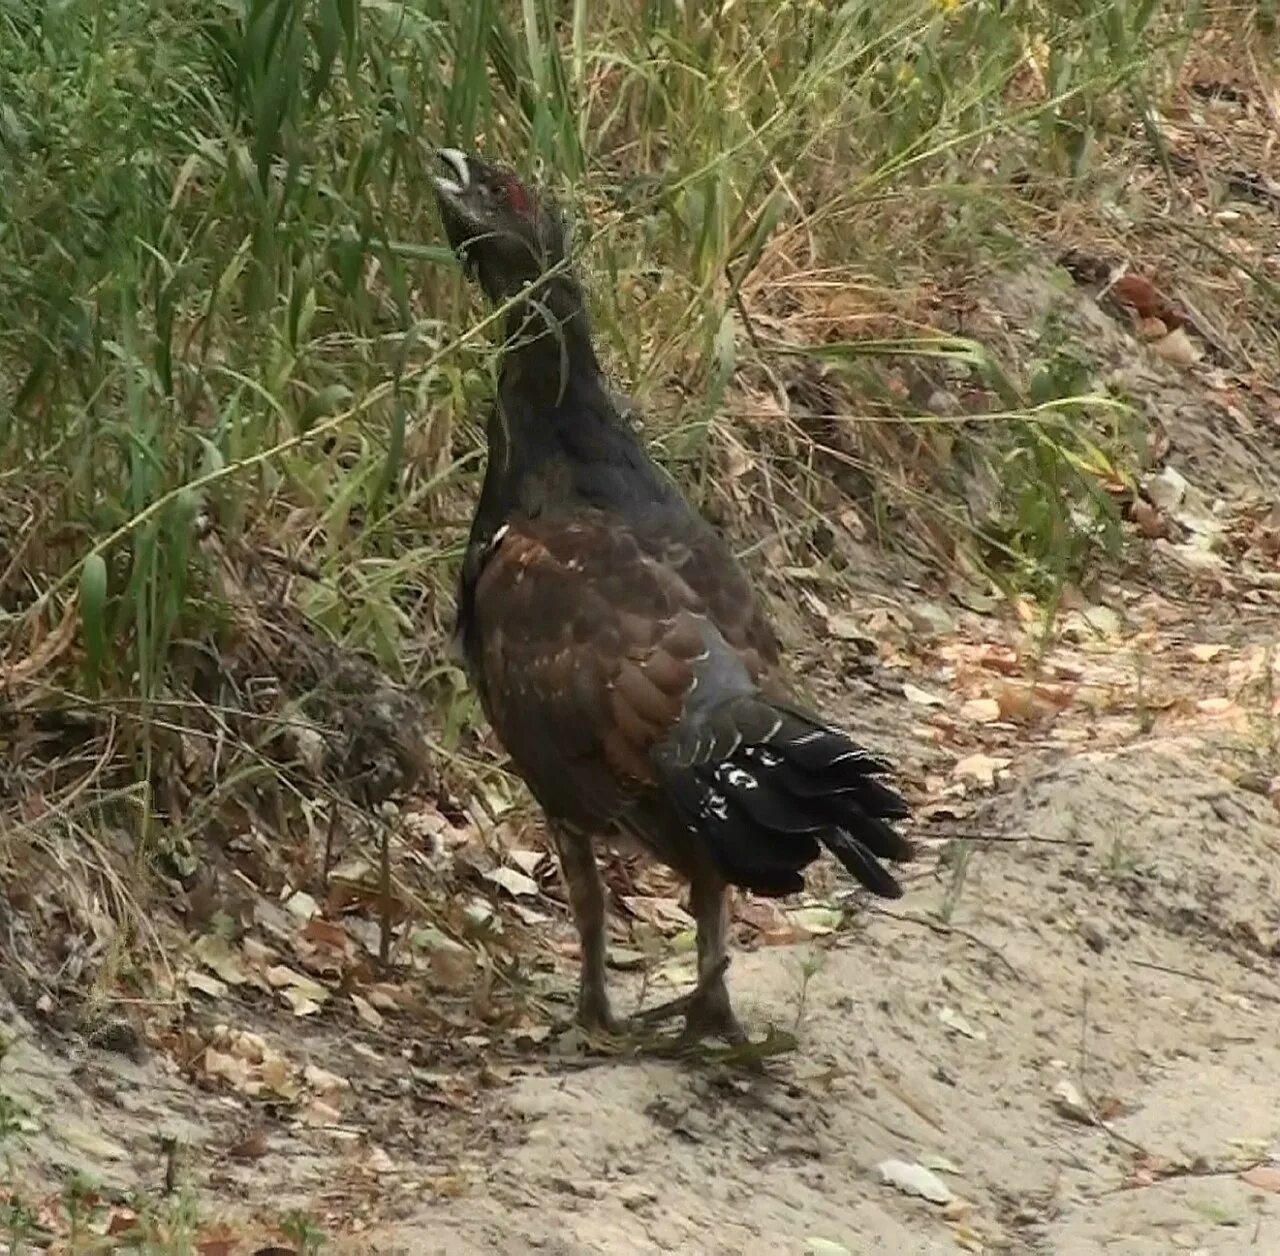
x=459 y=177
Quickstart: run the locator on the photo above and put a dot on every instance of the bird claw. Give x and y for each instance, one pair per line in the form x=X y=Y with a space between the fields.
x=595 y=1016
x=684 y=1003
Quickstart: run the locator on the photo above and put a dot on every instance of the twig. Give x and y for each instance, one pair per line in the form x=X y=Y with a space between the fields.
x=328 y=844
x=1094 y=1116
x=945 y=929
x=1172 y=972
x=1263 y=996
x=963 y=835
x=384 y=892
x=1177 y=1172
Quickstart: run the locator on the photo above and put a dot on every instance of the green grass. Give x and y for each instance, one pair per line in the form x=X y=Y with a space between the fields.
x=230 y=335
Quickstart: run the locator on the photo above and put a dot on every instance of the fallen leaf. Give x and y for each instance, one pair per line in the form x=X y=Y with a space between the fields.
x=302 y=905
x=1070 y=1103
x=814 y=1246
x=969 y=1239
x=516 y=883
x=193 y=979
x=321 y=932
x=1102 y=619
x=1149 y=521
x=921 y=697
x=529 y=915
x=1215 y=706
x=527 y=861
x=915 y=1179
x=279 y=1078
x=1178 y=349
x=954 y=1020
x=299 y=1003
x=846 y=628
x=322 y=1081
x=254 y=1147
x=215 y=953
x=122 y=1221
x=1264 y=1177
x=981 y=710
x=816 y=920
x=624 y=959
x=1027 y=703
x=981 y=768
x=230 y=1068
x=662 y=913
x=367 y=1012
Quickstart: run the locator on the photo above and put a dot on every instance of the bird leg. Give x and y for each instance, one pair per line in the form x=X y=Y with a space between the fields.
x=710 y=1013
x=586 y=897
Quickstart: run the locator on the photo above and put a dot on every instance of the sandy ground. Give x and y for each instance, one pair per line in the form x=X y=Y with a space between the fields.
x=1137 y=967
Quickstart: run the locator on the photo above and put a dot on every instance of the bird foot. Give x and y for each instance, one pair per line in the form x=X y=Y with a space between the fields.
x=712 y=1017
x=595 y=1015
x=681 y=1005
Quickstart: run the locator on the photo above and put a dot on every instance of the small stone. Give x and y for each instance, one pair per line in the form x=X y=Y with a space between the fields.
x=1094 y=934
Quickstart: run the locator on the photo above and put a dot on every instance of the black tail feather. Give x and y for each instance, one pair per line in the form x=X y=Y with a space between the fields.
x=763 y=784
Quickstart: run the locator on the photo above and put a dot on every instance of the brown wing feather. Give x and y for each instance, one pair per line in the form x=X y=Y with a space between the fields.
x=705 y=564
x=587 y=646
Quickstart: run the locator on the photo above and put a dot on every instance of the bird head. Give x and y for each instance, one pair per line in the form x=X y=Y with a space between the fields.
x=506 y=232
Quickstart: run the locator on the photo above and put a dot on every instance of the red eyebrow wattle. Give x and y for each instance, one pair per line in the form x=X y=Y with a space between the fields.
x=517 y=197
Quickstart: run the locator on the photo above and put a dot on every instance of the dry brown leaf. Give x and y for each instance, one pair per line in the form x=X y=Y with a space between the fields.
x=981 y=768
x=1263 y=1177
x=193 y=979
x=1178 y=349
x=321 y=932
x=1216 y=707
x=1148 y=520
x=322 y=1081
x=254 y=1147
x=981 y=710
x=122 y=1221
x=662 y=913
x=367 y=1012
x=279 y=1078
x=1027 y=703
x=230 y=1068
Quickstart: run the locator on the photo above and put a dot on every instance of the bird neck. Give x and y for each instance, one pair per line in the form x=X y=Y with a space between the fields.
x=549 y=344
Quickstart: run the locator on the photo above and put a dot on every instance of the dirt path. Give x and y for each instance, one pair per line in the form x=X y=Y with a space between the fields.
x=1085 y=1055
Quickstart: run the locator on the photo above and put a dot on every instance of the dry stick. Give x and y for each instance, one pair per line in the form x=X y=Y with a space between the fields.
x=328 y=843
x=1097 y=1120
x=945 y=929
x=384 y=892
x=1002 y=838
x=1262 y=995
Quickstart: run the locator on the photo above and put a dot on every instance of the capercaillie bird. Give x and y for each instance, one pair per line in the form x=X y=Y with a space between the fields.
x=617 y=646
